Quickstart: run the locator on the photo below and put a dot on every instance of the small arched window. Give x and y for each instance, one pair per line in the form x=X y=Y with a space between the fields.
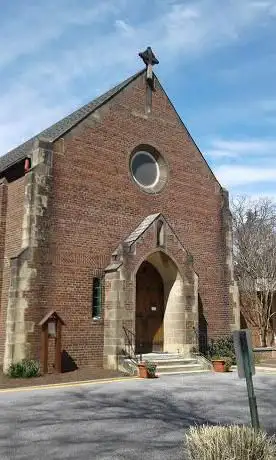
x=160 y=234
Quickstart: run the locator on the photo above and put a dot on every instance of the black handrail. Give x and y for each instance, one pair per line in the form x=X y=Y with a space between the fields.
x=130 y=344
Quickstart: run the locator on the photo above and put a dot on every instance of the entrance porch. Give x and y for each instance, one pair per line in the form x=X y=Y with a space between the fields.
x=151 y=295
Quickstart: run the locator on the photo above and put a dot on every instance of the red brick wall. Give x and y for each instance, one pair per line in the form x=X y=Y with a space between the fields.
x=11 y=243
x=96 y=205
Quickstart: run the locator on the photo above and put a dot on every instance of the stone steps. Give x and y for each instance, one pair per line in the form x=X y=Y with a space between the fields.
x=172 y=369
x=158 y=357
x=173 y=363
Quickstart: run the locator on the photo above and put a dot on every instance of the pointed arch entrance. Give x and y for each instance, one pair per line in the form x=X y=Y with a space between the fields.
x=150 y=308
x=151 y=293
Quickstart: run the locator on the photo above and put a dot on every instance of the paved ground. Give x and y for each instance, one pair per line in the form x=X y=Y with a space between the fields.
x=137 y=419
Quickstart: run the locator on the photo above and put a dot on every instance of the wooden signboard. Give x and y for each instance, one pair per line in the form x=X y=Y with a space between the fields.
x=51 y=326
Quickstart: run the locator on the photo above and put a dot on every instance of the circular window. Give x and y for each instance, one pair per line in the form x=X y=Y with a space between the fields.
x=145 y=169
x=148 y=168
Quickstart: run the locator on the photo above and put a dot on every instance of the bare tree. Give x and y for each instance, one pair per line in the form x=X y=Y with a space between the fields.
x=254 y=233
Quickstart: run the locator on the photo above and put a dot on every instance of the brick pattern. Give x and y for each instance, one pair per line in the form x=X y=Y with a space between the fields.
x=12 y=216
x=95 y=205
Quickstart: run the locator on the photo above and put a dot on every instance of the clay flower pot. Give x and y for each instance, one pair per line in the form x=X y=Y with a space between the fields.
x=142 y=371
x=218 y=365
x=146 y=370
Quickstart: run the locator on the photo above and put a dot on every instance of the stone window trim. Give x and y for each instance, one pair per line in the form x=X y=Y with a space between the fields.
x=162 y=165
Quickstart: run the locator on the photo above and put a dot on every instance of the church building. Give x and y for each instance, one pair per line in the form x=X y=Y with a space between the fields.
x=112 y=220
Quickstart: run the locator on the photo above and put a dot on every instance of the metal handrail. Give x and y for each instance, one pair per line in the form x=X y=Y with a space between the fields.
x=130 y=336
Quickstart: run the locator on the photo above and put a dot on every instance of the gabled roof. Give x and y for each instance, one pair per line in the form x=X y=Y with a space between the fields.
x=125 y=246
x=51 y=315
x=58 y=129
x=142 y=227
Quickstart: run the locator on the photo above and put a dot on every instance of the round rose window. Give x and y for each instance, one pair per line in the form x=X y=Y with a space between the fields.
x=145 y=169
x=148 y=168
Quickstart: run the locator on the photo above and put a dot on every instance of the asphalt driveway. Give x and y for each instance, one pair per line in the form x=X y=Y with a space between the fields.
x=137 y=419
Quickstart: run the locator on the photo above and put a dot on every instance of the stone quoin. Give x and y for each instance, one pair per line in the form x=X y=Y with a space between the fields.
x=116 y=223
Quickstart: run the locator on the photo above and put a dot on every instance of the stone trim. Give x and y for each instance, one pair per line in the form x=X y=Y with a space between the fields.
x=234 y=300
x=23 y=266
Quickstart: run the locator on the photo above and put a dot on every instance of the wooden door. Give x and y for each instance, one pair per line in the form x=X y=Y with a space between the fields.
x=149 y=309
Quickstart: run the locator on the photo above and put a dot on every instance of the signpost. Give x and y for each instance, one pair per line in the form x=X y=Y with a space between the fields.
x=246 y=369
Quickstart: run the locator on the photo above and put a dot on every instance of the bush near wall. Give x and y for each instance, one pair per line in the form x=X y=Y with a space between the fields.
x=229 y=443
x=24 y=369
x=223 y=347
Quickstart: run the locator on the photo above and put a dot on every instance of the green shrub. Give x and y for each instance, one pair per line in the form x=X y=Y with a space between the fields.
x=151 y=368
x=229 y=443
x=24 y=369
x=228 y=363
x=223 y=347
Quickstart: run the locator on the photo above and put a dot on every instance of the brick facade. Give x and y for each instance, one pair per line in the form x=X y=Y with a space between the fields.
x=92 y=204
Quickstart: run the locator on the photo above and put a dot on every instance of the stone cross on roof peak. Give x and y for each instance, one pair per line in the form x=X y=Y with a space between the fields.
x=148 y=57
x=150 y=60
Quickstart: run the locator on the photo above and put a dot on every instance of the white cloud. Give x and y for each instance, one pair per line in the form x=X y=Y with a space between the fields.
x=236 y=149
x=233 y=176
x=124 y=27
x=35 y=26
x=106 y=55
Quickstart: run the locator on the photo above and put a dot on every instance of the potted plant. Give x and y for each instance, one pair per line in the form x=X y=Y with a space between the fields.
x=222 y=354
x=221 y=364
x=147 y=370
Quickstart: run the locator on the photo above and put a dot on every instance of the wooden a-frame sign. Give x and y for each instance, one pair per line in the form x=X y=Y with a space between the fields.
x=51 y=325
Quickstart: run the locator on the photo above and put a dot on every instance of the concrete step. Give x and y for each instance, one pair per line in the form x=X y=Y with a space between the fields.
x=162 y=356
x=177 y=362
x=173 y=363
x=172 y=368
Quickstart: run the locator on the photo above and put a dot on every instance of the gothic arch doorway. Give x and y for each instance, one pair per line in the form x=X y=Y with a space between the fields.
x=149 y=309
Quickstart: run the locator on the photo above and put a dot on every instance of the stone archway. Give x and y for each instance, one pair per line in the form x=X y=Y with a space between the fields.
x=175 y=308
x=152 y=244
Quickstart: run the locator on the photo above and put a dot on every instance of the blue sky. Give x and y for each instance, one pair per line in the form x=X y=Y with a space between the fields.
x=217 y=64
